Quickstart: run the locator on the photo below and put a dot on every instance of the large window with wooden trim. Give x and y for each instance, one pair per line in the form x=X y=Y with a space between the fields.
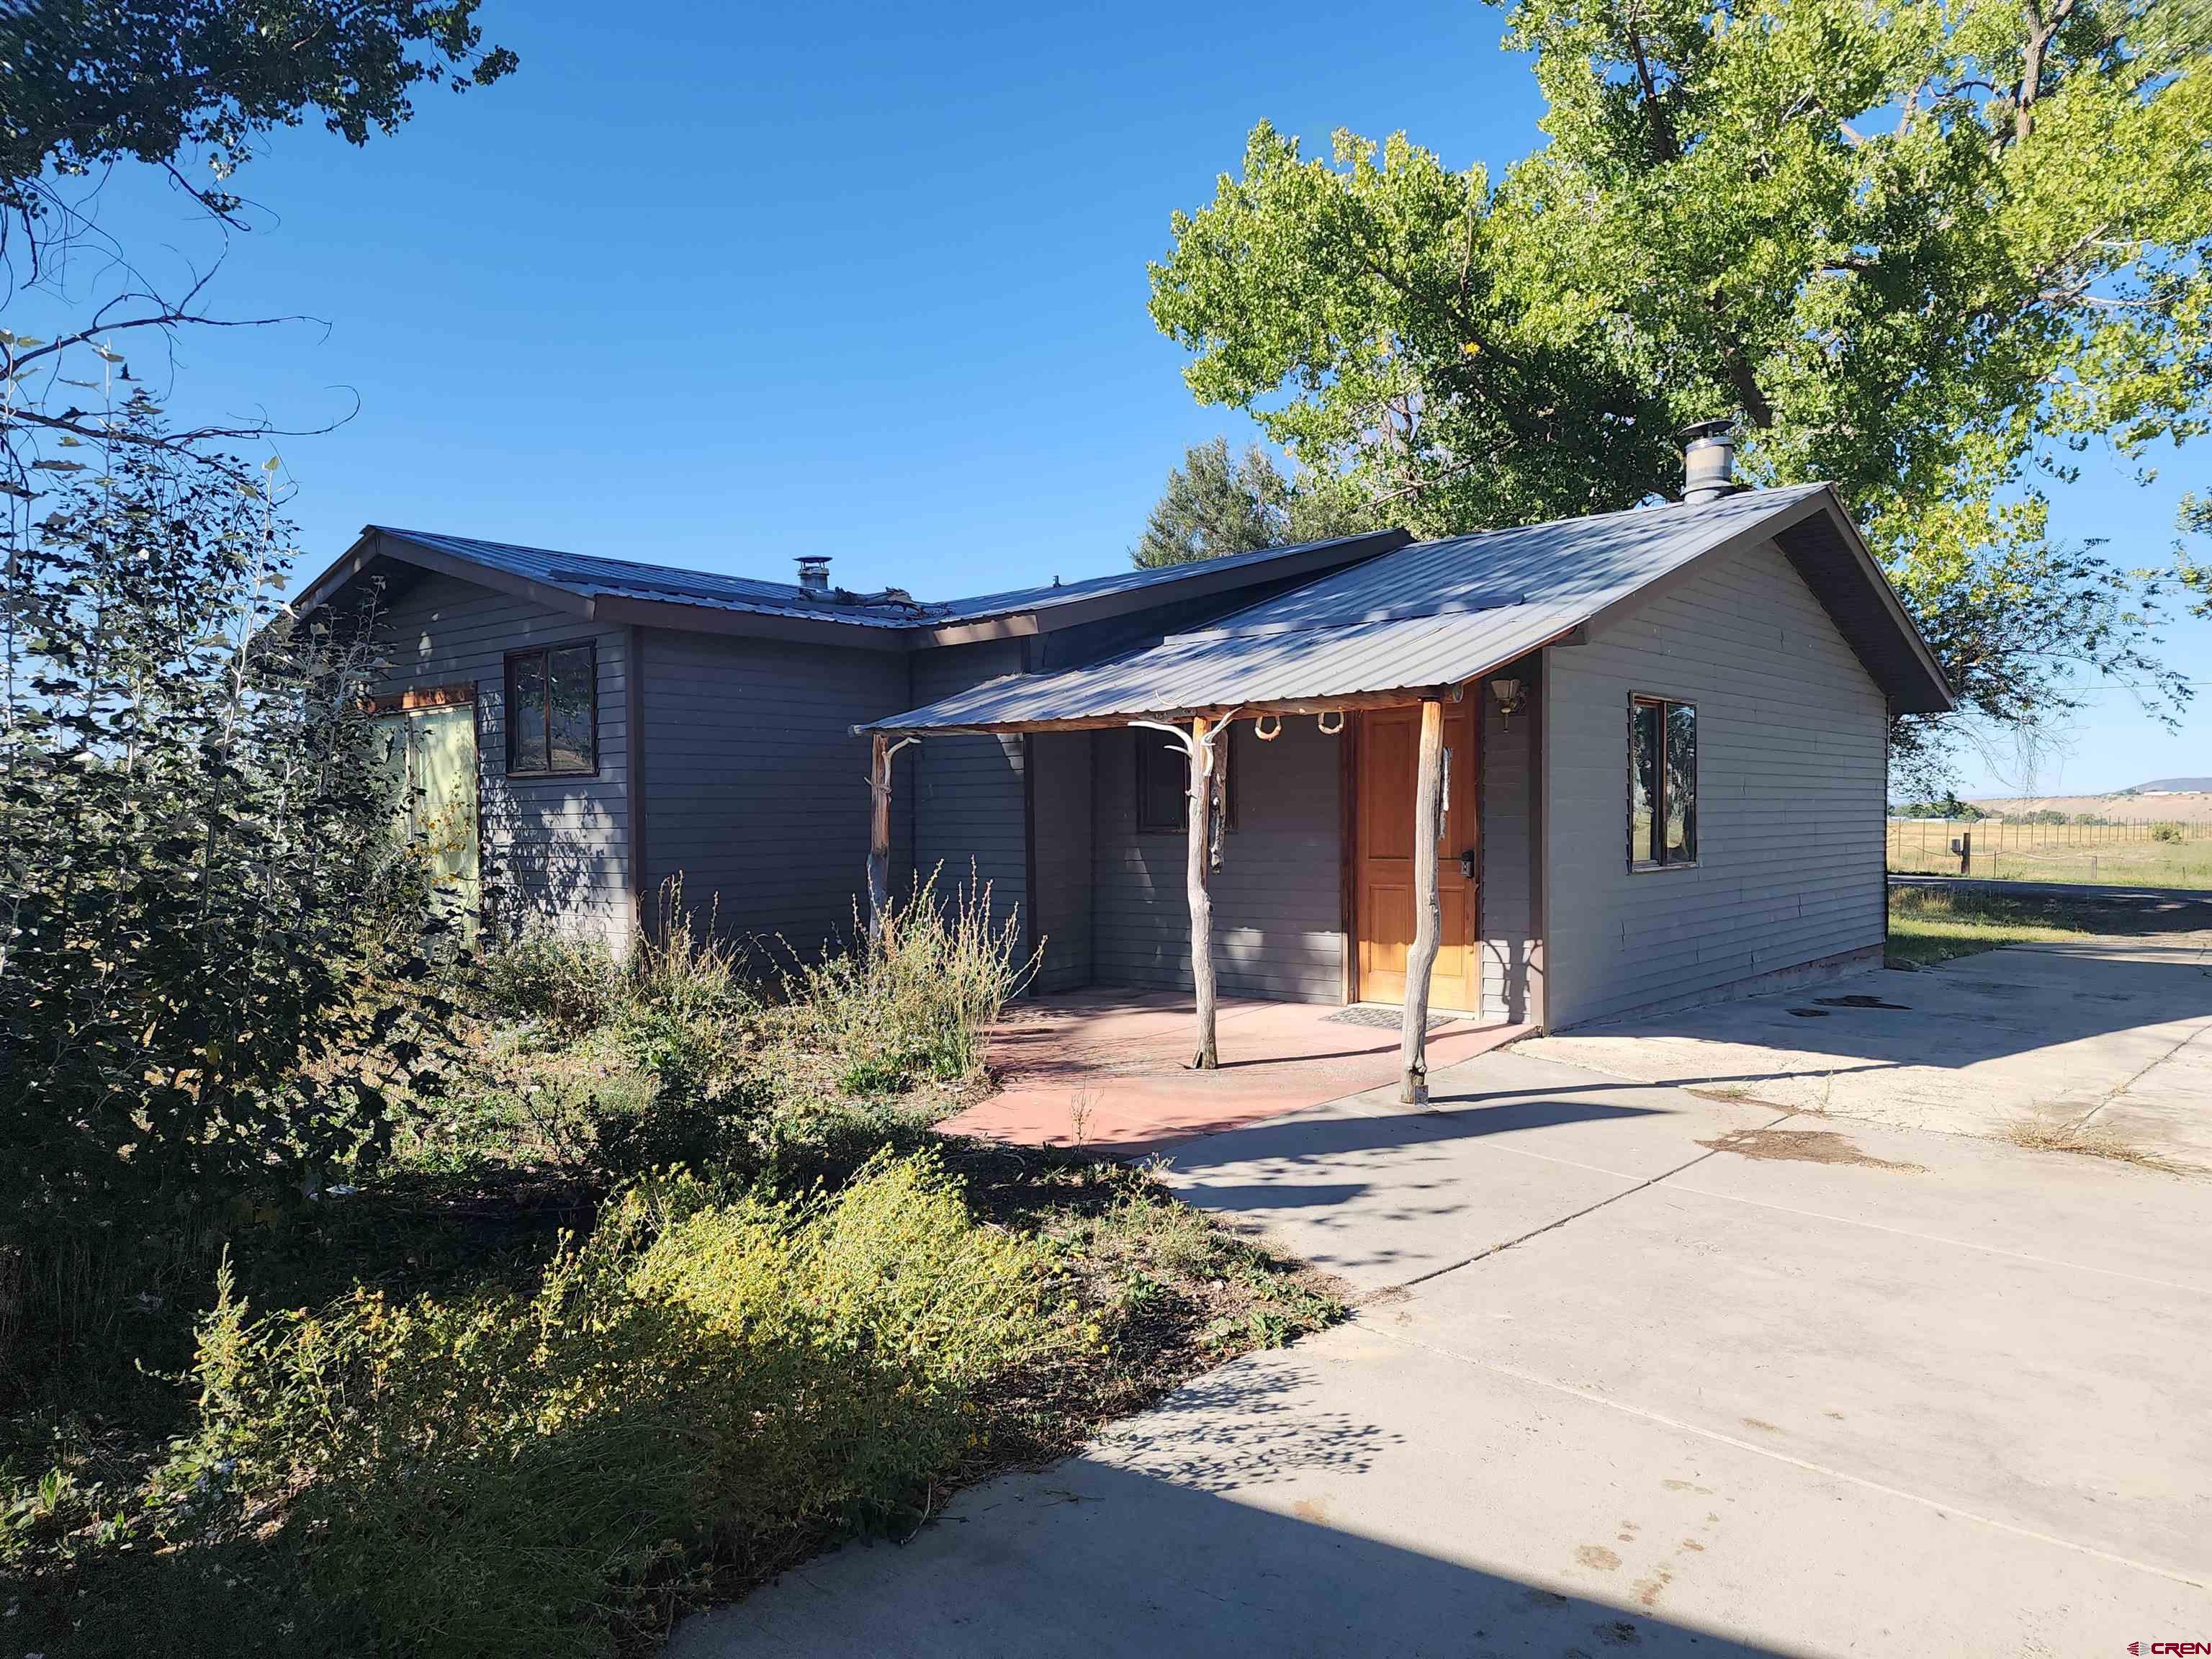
x=1163 y=775
x=1662 y=783
x=553 y=712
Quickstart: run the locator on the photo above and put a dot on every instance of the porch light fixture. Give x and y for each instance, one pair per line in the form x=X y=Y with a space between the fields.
x=1512 y=697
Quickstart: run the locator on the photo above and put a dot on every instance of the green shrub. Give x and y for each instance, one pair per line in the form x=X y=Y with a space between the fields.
x=213 y=958
x=572 y=986
x=708 y=1376
x=2166 y=832
x=915 y=1004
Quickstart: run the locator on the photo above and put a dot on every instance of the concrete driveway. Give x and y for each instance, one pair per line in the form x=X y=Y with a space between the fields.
x=1633 y=1371
x=2106 y=1039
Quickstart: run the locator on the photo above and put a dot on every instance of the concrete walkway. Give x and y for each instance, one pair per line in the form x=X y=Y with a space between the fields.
x=2110 y=1037
x=1634 y=1371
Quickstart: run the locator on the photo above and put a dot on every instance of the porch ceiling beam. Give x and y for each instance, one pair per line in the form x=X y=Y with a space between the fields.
x=1213 y=714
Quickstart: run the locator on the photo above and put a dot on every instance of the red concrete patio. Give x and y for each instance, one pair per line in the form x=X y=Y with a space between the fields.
x=1111 y=1069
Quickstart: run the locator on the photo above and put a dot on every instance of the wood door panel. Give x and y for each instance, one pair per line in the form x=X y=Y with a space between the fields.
x=1386 y=756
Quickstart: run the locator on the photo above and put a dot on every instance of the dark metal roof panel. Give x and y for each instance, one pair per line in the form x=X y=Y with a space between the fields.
x=587 y=576
x=582 y=573
x=1123 y=581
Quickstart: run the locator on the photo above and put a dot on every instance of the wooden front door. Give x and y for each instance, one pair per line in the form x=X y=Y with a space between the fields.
x=1388 y=750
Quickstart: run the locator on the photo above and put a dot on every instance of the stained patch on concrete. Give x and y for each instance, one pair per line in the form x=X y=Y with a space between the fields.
x=1596 y=1555
x=1310 y=1509
x=1761 y=1425
x=1802 y=1146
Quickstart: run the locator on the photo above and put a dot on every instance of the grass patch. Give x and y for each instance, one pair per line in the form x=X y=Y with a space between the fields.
x=2037 y=1135
x=525 y=1388
x=1928 y=924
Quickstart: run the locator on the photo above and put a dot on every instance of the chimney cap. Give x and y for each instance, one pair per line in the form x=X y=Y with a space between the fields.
x=814 y=572
x=1708 y=460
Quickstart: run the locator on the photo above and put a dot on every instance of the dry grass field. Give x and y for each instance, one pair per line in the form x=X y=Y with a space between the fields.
x=2175 y=852
x=2178 y=807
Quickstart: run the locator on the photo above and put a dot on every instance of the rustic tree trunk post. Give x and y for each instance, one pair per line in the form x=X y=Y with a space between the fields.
x=1200 y=814
x=1428 y=918
x=879 y=835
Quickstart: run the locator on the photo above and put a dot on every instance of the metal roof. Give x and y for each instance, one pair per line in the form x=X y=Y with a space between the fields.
x=1439 y=613
x=589 y=577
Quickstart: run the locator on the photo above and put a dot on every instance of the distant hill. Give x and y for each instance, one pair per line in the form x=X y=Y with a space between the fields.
x=2168 y=800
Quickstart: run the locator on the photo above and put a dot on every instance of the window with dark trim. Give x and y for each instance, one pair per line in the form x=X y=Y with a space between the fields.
x=553 y=712
x=1164 y=783
x=1662 y=783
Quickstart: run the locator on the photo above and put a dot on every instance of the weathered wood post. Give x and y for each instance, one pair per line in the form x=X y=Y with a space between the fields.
x=879 y=835
x=1200 y=814
x=1428 y=918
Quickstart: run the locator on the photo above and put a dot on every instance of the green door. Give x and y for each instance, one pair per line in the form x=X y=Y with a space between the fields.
x=430 y=755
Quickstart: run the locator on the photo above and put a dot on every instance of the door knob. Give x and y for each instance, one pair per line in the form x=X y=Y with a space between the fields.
x=1466 y=864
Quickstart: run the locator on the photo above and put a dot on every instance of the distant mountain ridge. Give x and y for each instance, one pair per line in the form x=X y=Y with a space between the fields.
x=2170 y=786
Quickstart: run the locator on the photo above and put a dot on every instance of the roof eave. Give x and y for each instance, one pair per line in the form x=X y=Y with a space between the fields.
x=1943 y=700
x=375 y=544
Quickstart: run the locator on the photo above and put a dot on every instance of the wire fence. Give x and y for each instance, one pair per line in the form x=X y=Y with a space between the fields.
x=2145 y=852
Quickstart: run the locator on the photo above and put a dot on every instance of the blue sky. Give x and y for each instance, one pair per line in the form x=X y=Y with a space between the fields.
x=717 y=286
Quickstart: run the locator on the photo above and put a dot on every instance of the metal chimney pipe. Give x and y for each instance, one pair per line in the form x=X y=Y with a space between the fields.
x=1708 y=460
x=814 y=573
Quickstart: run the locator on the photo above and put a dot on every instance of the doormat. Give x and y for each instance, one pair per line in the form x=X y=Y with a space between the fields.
x=1382 y=1019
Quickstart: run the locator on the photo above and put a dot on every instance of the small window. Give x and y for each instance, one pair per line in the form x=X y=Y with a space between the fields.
x=1164 y=781
x=1662 y=783
x=553 y=712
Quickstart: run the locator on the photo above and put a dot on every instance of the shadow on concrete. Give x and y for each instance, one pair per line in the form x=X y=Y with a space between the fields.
x=1194 y=1554
x=1329 y=1135
x=1994 y=1005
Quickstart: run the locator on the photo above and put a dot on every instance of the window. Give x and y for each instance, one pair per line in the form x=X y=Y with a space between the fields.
x=1164 y=781
x=1662 y=783
x=553 y=712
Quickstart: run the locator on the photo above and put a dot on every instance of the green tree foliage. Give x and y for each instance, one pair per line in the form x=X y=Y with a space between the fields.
x=1215 y=504
x=1928 y=252
x=180 y=86
x=2194 y=520
x=176 y=82
x=207 y=936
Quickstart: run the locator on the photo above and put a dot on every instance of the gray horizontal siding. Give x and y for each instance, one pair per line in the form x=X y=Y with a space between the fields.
x=756 y=789
x=555 y=849
x=1277 y=903
x=969 y=816
x=1059 y=784
x=1791 y=775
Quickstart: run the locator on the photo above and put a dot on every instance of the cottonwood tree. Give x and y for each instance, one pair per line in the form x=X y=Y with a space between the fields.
x=1216 y=504
x=190 y=89
x=1931 y=252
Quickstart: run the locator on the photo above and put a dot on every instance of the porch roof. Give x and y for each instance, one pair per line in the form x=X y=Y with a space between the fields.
x=1438 y=614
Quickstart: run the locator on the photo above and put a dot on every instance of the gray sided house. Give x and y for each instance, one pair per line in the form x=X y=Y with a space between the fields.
x=1662 y=734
